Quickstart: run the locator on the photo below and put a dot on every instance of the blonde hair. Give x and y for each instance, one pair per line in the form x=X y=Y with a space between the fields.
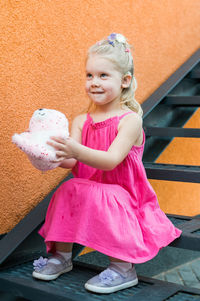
x=116 y=49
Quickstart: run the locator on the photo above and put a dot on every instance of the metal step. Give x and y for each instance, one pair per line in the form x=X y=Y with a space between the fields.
x=182 y=100
x=172 y=172
x=170 y=83
x=70 y=287
x=19 y=282
x=172 y=132
x=190 y=237
x=195 y=73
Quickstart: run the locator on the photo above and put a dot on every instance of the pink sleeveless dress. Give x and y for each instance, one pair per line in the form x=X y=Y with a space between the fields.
x=114 y=212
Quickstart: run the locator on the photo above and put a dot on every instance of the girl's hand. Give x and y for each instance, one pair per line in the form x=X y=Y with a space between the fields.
x=66 y=148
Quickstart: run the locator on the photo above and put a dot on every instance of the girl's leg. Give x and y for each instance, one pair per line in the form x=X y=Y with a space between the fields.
x=119 y=275
x=112 y=259
x=120 y=266
x=59 y=263
x=63 y=247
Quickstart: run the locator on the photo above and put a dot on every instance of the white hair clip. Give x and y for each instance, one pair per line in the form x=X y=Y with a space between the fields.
x=120 y=38
x=116 y=37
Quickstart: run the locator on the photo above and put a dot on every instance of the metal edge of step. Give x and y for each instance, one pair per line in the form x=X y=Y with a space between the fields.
x=172 y=132
x=172 y=172
x=156 y=290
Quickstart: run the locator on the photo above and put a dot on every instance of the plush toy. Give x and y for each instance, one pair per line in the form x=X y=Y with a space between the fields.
x=43 y=124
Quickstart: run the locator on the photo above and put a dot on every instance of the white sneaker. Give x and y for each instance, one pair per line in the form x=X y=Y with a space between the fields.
x=44 y=269
x=110 y=281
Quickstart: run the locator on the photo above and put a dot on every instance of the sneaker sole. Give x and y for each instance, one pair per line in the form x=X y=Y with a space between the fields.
x=50 y=277
x=108 y=290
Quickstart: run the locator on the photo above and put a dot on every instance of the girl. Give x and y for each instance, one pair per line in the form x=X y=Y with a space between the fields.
x=109 y=205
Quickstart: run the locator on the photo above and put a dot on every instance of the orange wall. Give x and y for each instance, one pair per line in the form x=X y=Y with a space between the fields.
x=43 y=46
x=182 y=198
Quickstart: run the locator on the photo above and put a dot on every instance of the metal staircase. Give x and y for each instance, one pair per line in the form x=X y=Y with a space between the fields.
x=165 y=113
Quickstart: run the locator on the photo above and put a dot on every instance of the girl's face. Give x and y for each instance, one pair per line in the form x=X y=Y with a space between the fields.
x=103 y=81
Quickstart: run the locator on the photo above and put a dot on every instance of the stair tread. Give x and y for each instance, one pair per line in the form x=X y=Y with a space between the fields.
x=70 y=284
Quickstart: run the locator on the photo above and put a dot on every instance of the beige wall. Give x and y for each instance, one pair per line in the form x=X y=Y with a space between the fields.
x=43 y=46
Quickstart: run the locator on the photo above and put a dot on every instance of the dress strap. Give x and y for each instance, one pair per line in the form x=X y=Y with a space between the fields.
x=120 y=117
x=88 y=116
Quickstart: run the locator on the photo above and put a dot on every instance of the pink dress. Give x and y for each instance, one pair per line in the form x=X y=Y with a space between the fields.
x=114 y=212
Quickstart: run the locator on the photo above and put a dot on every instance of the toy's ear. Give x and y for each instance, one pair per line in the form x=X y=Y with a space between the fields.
x=126 y=80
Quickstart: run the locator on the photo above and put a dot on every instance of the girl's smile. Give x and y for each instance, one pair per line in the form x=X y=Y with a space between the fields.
x=103 y=81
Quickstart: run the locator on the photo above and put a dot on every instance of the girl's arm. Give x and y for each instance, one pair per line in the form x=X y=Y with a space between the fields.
x=76 y=130
x=129 y=132
x=67 y=163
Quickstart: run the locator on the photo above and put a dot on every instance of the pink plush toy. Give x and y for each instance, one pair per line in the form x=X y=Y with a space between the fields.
x=43 y=124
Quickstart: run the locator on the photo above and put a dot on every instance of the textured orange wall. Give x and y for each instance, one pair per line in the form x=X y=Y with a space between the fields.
x=43 y=46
